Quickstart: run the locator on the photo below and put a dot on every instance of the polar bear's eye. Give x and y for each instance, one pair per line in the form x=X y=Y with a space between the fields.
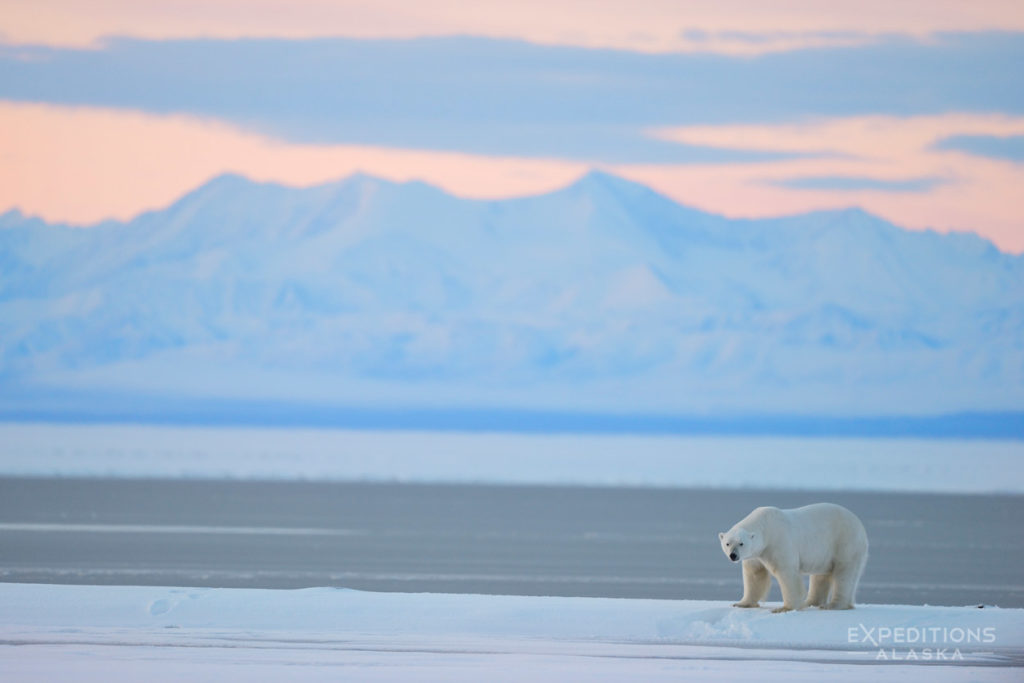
x=741 y=545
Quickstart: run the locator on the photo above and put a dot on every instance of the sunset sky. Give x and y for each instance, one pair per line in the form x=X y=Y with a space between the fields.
x=912 y=110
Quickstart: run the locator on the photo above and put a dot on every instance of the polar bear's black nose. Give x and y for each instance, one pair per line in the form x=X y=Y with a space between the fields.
x=732 y=556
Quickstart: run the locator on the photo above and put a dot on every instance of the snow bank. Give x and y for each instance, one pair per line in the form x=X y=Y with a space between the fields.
x=347 y=611
x=100 y=632
x=343 y=610
x=974 y=466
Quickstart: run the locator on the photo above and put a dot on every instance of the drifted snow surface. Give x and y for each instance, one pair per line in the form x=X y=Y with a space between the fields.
x=102 y=633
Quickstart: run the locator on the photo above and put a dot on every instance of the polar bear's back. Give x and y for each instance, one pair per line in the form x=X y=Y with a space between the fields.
x=809 y=521
x=825 y=513
x=842 y=529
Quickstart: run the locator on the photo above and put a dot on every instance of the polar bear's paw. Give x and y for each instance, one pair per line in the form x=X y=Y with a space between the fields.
x=746 y=604
x=836 y=605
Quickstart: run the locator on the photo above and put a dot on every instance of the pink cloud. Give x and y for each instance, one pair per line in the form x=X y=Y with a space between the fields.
x=84 y=164
x=976 y=194
x=736 y=26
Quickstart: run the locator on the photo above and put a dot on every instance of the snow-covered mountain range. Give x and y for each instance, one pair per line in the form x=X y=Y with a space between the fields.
x=603 y=296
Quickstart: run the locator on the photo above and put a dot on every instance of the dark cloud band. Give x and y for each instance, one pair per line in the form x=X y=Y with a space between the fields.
x=514 y=98
x=858 y=183
x=1008 y=148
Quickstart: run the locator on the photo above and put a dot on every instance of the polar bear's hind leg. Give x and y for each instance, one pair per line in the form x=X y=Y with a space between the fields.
x=821 y=585
x=844 y=584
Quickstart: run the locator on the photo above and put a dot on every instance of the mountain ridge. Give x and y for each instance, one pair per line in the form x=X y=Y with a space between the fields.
x=16 y=215
x=602 y=296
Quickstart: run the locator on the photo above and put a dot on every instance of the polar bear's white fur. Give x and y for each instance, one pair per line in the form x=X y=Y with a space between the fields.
x=824 y=540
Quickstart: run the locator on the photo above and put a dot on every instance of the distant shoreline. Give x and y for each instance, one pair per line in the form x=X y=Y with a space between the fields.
x=649 y=461
x=210 y=413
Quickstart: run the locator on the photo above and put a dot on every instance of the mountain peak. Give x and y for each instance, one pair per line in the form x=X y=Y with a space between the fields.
x=15 y=218
x=11 y=218
x=228 y=182
x=219 y=187
x=596 y=180
x=648 y=206
x=602 y=186
x=361 y=179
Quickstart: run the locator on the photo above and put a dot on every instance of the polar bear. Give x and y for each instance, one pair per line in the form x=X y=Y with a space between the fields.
x=824 y=540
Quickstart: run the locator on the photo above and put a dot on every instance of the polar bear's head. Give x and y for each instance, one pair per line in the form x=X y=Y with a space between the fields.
x=738 y=544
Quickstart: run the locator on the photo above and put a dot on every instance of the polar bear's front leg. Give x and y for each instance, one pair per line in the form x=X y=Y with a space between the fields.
x=792 y=586
x=756 y=582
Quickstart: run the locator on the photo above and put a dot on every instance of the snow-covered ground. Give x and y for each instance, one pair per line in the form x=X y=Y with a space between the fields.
x=940 y=465
x=120 y=633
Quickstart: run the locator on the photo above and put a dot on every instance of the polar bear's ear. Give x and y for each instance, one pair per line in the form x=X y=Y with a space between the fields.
x=721 y=535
